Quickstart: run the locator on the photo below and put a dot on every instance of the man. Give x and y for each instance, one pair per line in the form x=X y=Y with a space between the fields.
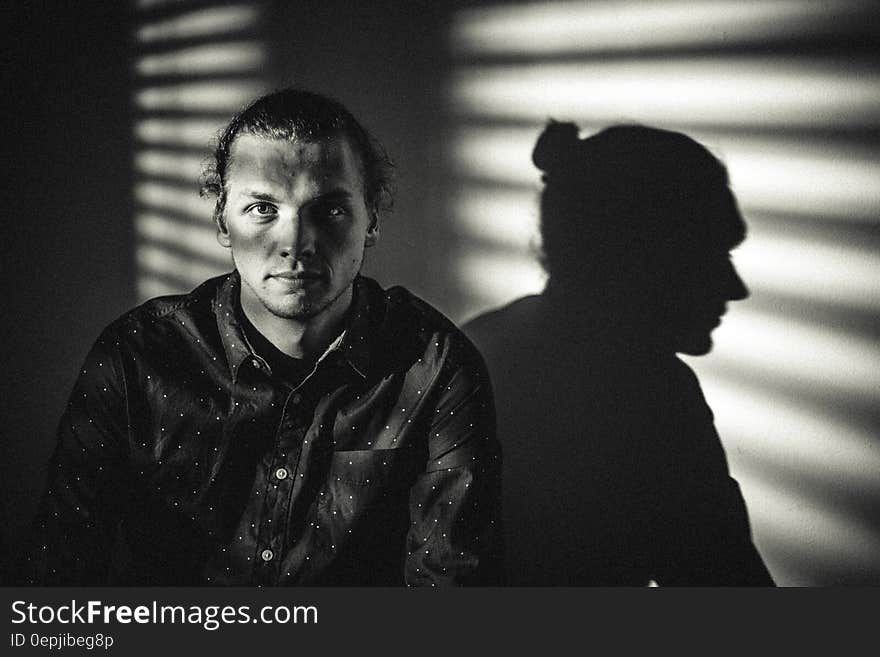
x=613 y=471
x=291 y=422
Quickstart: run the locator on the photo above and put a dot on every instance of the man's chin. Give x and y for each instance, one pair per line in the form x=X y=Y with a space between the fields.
x=296 y=309
x=300 y=306
x=304 y=304
x=694 y=345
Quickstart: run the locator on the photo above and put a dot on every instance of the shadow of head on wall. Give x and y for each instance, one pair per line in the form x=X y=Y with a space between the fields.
x=637 y=224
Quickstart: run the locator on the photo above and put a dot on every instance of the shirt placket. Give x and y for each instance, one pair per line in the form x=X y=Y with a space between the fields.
x=285 y=474
x=280 y=486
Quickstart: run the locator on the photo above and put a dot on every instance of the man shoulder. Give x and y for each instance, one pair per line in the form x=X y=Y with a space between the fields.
x=162 y=322
x=406 y=327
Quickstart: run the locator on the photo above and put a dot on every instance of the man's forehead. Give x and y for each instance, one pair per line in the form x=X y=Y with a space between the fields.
x=278 y=158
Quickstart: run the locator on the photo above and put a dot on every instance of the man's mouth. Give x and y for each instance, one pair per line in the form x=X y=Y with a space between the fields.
x=717 y=317
x=296 y=280
x=297 y=275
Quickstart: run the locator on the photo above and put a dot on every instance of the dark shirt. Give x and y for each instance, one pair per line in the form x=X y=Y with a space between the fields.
x=183 y=460
x=613 y=471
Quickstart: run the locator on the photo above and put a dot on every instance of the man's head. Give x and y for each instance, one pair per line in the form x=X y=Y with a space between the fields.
x=299 y=186
x=642 y=220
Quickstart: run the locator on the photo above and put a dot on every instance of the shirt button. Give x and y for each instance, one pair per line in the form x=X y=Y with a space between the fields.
x=297 y=398
x=281 y=473
x=266 y=555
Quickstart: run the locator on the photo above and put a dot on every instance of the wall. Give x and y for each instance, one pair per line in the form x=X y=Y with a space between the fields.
x=68 y=257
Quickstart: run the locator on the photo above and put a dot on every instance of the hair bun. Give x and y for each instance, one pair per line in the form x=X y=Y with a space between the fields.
x=557 y=146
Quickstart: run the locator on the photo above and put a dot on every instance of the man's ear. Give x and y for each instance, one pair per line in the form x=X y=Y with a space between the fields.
x=373 y=229
x=222 y=231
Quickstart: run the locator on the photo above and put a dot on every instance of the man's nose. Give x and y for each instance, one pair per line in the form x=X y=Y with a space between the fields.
x=296 y=238
x=736 y=287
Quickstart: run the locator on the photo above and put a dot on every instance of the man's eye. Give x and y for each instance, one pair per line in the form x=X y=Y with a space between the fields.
x=261 y=209
x=337 y=211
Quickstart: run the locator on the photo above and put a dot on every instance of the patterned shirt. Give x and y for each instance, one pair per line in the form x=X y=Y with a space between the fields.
x=182 y=460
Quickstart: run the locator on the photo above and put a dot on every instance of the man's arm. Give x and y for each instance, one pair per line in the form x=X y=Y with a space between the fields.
x=707 y=535
x=76 y=523
x=455 y=519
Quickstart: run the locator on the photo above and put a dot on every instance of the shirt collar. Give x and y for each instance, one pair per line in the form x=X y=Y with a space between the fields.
x=232 y=336
x=353 y=343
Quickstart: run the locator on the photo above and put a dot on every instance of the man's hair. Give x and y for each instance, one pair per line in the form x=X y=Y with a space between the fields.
x=295 y=114
x=629 y=191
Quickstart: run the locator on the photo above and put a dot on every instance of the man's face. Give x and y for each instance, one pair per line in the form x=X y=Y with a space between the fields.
x=297 y=223
x=705 y=279
x=710 y=284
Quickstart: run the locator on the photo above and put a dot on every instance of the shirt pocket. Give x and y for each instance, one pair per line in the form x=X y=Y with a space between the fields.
x=364 y=480
x=363 y=508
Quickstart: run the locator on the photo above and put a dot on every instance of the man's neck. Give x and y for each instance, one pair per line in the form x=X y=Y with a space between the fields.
x=307 y=338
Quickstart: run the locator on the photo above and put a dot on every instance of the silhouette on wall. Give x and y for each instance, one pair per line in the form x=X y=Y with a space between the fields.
x=613 y=471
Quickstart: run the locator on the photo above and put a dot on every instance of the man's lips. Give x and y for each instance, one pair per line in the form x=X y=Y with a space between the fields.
x=716 y=317
x=297 y=275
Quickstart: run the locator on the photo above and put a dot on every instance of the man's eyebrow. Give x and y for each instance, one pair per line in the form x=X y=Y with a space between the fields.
x=259 y=195
x=337 y=194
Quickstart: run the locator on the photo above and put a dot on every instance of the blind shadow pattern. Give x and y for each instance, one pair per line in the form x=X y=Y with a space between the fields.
x=195 y=65
x=787 y=94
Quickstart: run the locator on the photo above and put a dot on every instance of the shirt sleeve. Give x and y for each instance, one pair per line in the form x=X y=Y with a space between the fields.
x=455 y=533
x=707 y=535
x=75 y=526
